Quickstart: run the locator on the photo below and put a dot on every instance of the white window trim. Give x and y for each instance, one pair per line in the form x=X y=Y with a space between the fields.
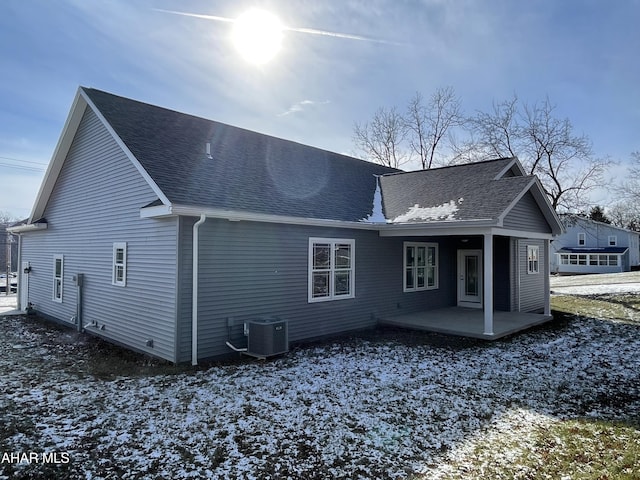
x=592 y=259
x=613 y=240
x=58 y=281
x=582 y=239
x=436 y=273
x=352 y=270
x=114 y=281
x=533 y=265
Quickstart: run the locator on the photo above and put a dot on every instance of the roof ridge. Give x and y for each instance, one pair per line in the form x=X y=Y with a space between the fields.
x=458 y=165
x=228 y=125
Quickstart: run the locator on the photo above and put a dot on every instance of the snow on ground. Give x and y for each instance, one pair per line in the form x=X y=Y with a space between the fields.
x=7 y=303
x=625 y=282
x=382 y=408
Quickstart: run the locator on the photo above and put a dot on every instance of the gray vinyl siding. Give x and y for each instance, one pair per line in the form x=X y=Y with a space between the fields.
x=515 y=274
x=185 y=279
x=250 y=270
x=526 y=215
x=96 y=202
x=501 y=274
x=532 y=292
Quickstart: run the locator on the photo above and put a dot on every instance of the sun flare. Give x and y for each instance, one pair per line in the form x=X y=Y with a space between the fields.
x=257 y=35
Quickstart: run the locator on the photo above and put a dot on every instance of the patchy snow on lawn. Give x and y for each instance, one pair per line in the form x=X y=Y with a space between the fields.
x=624 y=282
x=7 y=302
x=597 y=289
x=354 y=409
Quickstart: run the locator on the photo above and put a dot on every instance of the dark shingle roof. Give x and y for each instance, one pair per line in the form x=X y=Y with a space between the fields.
x=256 y=173
x=248 y=171
x=462 y=192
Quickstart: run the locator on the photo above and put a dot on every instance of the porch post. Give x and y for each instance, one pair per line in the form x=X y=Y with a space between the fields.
x=546 y=262
x=488 y=284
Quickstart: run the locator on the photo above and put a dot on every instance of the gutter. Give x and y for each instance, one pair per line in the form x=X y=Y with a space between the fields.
x=30 y=227
x=194 y=289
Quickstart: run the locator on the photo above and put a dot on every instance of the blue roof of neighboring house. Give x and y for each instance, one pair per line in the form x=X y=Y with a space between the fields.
x=583 y=250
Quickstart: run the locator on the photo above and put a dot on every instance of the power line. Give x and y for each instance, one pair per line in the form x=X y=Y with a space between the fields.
x=23 y=161
x=22 y=167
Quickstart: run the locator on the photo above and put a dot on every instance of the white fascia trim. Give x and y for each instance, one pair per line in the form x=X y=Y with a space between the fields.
x=551 y=215
x=30 y=227
x=543 y=203
x=59 y=155
x=515 y=201
x=438 y=230
x=464 y=230
x=470 y=227
x=506 y=232
x=238 y=216
x=514 y=162
x=158 y=211
x=136 y=163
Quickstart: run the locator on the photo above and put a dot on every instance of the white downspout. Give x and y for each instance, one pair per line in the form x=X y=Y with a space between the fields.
x=194 y=290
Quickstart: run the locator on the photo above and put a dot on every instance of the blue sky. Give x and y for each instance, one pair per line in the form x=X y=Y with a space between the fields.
x=582 y=54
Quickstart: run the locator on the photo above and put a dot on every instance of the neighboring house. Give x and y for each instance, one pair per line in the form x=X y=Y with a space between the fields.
x=588 y=246
x=166 y=232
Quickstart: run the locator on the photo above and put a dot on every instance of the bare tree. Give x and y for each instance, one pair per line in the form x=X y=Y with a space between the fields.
x=625 y=215
x=497 y=134
x=629 y=189
x=381 y=139
x=6 y=218
x=547 y=147
x=8 y=248
x=428 y=123
x=392 y=139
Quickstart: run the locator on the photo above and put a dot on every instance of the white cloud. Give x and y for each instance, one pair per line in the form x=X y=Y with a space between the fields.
x=302 y=105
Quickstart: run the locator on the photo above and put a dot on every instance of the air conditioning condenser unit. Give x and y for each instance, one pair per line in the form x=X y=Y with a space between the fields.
x=267 y=337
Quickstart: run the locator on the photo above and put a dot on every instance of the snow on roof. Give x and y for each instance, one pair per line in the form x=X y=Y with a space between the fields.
x=446 y=211
x=377 y=215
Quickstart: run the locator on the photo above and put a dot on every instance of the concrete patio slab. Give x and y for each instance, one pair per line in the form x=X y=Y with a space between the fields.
x=466 y=322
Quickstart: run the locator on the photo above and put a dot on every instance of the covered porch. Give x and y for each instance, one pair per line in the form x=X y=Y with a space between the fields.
x=491 y=281
x=466 y=322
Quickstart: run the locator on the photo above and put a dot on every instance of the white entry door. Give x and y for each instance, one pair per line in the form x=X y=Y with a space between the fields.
x=24 y=286
x=470 y=278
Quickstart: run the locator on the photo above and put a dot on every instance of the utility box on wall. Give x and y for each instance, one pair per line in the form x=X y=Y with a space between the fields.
x=267 y=337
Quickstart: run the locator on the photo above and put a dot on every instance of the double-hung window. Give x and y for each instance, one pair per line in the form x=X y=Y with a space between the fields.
x=613 y=240
x=582 y=239
x=420 y=266
x=331 y=269
x=533 y=255
x=58 y=277
x=119 y=276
